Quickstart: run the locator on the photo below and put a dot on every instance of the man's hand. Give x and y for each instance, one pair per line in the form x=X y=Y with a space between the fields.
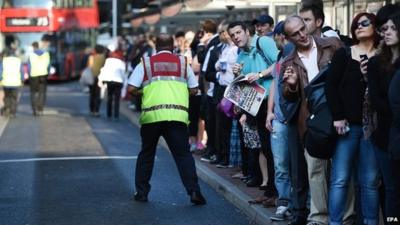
x=252 y=77
x=134 y=90
x=237 y=68
x=340 y=126
x=268 y=122
x=193 y=91
x=290 y=76
x=242 y=119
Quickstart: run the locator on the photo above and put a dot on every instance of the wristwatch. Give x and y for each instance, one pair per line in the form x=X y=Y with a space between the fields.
x=260 y=75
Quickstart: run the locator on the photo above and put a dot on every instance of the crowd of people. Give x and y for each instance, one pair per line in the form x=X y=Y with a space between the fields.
x=308 y=71
x=349 y=181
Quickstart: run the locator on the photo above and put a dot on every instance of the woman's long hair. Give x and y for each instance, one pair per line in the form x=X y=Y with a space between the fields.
x=385 y=54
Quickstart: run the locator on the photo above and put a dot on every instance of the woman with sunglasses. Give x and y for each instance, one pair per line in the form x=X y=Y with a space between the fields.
x=347 y=97
x=381 y=70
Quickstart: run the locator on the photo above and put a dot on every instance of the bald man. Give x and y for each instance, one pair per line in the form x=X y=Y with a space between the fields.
x=164 y=82
x=311 y=54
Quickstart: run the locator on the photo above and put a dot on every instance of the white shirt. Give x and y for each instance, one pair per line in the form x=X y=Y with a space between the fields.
x=137 y=76
x=228 y=55
x=310 y=62
x=210 y=90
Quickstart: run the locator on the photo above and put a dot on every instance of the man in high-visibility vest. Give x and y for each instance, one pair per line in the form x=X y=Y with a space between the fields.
x=38 y=69
x=166 y=81
x=11 y=77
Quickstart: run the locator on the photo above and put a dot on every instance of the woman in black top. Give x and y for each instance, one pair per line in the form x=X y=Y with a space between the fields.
x=347 y=97
x=380 y=72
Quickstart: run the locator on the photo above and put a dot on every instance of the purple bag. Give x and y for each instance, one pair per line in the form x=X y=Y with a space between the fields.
x=226 y=107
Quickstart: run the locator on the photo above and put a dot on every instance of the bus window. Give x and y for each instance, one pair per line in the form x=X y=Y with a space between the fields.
x=26 y=3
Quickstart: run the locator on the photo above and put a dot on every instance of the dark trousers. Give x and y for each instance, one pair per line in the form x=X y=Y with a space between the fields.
x=298 y=174
x=266 y=142
x=223 y=128
x=38 y=86
x=194 y=114
x=10 y=101
x=113 y=98
x=176 y=136
x=94 y=97
x=210 y=125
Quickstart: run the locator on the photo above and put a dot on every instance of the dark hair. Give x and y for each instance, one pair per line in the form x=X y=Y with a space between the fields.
x=35 y=44
x=209 y=26
x=317 y=12
x=308 y=3
x=238 y=23
x=385 y=12
x=164 y=42
x=179 y=34
x=386 y=67
x=250 y=27
x=354 y=26
x=99 y=49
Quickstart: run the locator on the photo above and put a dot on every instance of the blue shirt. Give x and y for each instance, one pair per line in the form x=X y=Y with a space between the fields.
x=253 y=62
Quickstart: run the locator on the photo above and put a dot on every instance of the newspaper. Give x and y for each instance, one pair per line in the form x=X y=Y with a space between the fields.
x=247 y=96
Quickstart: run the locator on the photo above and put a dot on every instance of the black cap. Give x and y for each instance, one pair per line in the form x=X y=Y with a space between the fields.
x=263 y=19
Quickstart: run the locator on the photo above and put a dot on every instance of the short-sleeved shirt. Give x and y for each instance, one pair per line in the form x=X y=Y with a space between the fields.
x=253 y=62
x=137 y=76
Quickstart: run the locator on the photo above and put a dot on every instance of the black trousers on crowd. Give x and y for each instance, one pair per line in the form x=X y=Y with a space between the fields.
x=223 y=128
x=113 y=98
x=176 y=135
x=210 y=124
x=94 y=98
x=10 y=101
x=38 y=86
x=299 y=176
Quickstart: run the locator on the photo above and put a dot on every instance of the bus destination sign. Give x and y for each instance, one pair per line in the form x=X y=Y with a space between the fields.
x=26 y=21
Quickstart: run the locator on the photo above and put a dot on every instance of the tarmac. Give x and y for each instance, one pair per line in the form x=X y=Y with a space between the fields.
x=219 y=179
x=234 y=190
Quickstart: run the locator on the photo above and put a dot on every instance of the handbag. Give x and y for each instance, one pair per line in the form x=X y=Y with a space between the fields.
x=227 y=107
x=320 y=136
x=86 y=77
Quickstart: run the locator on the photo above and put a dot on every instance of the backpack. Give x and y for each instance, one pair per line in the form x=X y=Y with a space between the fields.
x=261 y=52
x=320 y=136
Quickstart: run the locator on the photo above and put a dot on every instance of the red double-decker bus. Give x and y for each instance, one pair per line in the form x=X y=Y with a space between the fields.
x=64 y=27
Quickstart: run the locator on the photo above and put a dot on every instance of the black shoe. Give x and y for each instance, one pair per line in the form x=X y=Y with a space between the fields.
x=253 y=183
x=140 y=198
x=215 y=161
x=197 y=198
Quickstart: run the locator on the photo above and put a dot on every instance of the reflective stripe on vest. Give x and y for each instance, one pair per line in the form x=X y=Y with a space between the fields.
x=11 y=71
x=165 y=97
x=39 y=64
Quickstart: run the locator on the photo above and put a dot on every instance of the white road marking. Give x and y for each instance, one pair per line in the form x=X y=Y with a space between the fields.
x=66 y=158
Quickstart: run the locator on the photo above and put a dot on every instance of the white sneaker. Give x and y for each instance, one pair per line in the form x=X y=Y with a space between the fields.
x=282 y=213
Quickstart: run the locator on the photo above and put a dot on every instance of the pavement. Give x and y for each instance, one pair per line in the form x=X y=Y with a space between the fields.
x=220 y=179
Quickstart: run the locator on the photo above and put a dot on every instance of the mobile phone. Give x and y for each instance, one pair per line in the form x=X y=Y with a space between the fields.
x=363 y=57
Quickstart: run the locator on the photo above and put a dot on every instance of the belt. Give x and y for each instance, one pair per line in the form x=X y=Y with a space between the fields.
x=165 y=106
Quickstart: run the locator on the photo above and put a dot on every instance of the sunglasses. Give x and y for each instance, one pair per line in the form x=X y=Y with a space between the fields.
x=364 y=23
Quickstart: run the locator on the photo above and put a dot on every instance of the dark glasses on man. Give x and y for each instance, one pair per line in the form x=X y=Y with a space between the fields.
x=364 y=23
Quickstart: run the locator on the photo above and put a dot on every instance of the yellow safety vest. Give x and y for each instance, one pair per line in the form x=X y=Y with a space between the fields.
x=39 y=64
x=11 y=72
x=165 y=96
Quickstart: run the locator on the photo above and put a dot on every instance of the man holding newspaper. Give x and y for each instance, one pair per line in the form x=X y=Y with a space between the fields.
x=252 y=70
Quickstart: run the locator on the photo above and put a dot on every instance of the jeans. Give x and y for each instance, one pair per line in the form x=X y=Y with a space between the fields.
x=280 y=152
x=354 y=153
